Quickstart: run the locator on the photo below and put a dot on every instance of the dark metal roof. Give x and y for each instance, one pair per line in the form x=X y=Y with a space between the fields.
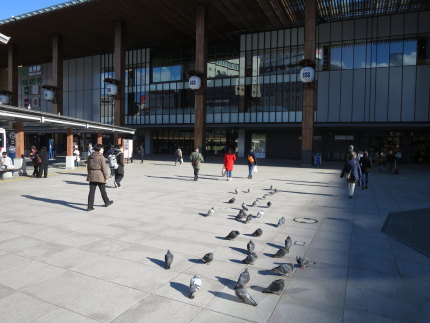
x=87 y=25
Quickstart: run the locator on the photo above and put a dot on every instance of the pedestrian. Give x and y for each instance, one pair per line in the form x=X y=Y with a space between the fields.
x=90 y=149
x=252 y=162
x=348 y=152
x=35 y=159
x=97 y=176
x=119 y=171
x=44 y=156
x=390 y=161
x=397 y=158
x=141 y=151
x=366 y=166
x=381 y=162
x=111 y=151
x=76 y=156
x=196 y=158
x=178 y=156
x=229 y=159
x=352 y=171
x=6 y=161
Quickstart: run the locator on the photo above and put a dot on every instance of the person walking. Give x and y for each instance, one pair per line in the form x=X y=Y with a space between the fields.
x=366 y=166
x=110 y=152
x=196 y=158
x=43 y=168
x=97 y=176
x=229 y=159
x=178 y=155
x=353 y=172
x=141 y=151
x=252 y=162
x=119 y=172
x=35 y=159
x=381 y=162
x=76 y=156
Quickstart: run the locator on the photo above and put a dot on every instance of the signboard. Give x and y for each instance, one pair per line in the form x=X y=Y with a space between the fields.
x=128 y=148
x=35 y=89
x=35 y=101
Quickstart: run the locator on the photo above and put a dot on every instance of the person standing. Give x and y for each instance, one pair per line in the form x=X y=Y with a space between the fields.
x=353 y=172
x=178 y=155
x=366 y=166
x=44 y=156
x=229 y=159
x=76 y=156
x=252 y=162
x=196 y=158
x=35 y=159
x=97 y=176
x=119 y=172
x=141 y=152
x=381 y=162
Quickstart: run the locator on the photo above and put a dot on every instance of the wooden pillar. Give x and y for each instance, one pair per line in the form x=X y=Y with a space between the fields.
x=99 y=138
x=12 y=74
x=309 y=88
x=118 y=67
x=19 y=138
x=69 y=142
x=201 y=67
x=57 y=73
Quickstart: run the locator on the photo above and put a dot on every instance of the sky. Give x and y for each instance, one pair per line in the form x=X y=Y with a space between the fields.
x=9 y=8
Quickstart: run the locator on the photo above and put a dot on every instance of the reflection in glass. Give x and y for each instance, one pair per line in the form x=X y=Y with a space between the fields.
x=336 y=58
x=410 y=52
x=382 y=54
x=359 y=56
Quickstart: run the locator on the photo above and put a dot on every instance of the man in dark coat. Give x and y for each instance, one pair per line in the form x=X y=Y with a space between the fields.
x=43 y=168
x=119 y=172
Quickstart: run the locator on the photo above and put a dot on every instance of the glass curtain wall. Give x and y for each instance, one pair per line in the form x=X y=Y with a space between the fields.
x=106 y=101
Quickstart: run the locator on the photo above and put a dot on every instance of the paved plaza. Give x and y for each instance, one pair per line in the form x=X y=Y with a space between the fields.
x=59 y=263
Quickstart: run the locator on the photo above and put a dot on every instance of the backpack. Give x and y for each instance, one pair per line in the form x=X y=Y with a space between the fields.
x=113 y=163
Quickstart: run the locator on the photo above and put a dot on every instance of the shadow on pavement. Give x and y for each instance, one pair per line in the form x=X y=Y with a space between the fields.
x=184 y=289
x=76 y=183
x=60 y=202
x=226 y=282
x=157 y=262
x=224 y=295
x=240 y=250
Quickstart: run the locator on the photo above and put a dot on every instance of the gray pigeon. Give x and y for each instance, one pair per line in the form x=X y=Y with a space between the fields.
x=257 y=233
x=211 y=211
x=232 y=235
x=269 y=204
x=244 y=207
x=250 y=259
x=284 y=269
x=280 y=253
x=195 y=284
x=243 y=279
x=281 y=222
x=207 y=258
x=236 y=191
x=276 y=287
x=303 y=262
x=271 y=187
x=254 y=204
x=275 y=190
x=238 y=217
x=232 y=200
x=249 y=218
x=249 y=190
x=250 y=246
x=259 y=214
x=168 y=258
x=288 y=243
x=244 y=296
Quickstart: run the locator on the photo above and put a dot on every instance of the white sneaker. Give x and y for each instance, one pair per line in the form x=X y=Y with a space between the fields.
x=115 y=184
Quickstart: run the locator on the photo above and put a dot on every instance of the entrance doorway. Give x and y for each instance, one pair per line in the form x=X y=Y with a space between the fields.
x=258 y=143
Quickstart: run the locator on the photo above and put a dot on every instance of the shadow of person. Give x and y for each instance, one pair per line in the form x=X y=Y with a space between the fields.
x=75 y=183
x=184 y=289
x=158 y=262
x=59 y=202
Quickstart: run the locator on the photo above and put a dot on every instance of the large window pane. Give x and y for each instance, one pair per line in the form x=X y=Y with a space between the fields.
x=410 y=52
x=360 y=56
x=382 y=54
x=347 y=57
x=335 y=58
x=396 y=53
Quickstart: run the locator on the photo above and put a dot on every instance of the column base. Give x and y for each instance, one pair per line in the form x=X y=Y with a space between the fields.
x=70 y=162
x=307 y=157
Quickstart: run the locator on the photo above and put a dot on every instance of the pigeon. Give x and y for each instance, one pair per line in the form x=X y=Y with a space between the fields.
x=244 y=296
x=236 y=191
x=275 y=190
x=249 y=218
x=195 y=284
x=238 y=217
x=259 y=214
x=232 y=235
x=250 y=259
x=269 y=204
x=257 y=233
x=207 y=258
x=271 y=187
x=249 y=190
x=303 y=262
x=280 y=253
x=254 y=204
x=232 y=200
x=288 y=243
x=168 y=259
x=211 y=211
x=244 y=207
x=250 y=246
x=243 y=279
x=281 y=222
x=284 y=270
x=275 y=287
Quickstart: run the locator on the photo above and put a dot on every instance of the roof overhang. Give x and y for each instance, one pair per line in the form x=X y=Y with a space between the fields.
x=55 y=122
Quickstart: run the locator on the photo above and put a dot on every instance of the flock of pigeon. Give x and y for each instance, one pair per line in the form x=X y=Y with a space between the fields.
x=277 y=286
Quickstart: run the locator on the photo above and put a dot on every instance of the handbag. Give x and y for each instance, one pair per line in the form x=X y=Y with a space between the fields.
x=250 y=159
x=223 y=172
x=255 y=170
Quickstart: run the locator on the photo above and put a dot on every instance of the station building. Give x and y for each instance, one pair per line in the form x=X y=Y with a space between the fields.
x=371 y=60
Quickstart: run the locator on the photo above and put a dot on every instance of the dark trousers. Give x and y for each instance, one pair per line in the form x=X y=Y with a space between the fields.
x=93 y=186
x=196 y=173
x=43 y=169
x=118 y=177
x=36 y=170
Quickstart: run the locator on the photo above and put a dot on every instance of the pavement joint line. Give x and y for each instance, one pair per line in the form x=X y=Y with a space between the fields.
x=31 y=177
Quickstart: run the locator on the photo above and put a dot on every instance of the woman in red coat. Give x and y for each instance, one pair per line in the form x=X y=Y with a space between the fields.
x=229 y=159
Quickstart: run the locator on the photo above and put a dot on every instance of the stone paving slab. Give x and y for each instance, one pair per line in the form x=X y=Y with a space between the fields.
x=61 y=263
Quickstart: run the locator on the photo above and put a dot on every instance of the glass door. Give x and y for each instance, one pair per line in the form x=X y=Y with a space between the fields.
x=258 y=143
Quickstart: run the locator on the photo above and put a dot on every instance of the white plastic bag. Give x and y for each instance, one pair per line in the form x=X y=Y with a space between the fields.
x=223 y=172
x=255 y=170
